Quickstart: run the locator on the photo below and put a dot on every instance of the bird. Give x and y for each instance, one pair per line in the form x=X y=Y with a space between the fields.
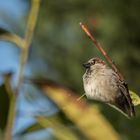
x=103 y=84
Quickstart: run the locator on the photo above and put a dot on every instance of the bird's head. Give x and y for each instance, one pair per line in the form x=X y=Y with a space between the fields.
x=93 y=62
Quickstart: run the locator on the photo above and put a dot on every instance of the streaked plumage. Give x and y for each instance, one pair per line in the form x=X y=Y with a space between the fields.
x=103 y=84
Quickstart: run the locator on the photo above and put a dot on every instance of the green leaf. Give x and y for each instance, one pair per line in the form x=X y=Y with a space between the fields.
x=89 y=120
x=32 y=128
x=60 y=130
x=135 y=98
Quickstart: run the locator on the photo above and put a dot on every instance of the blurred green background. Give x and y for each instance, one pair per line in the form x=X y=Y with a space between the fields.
x=60 y=47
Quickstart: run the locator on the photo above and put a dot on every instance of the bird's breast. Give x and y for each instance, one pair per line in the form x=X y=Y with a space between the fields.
x=90 y=87
x=99 y=87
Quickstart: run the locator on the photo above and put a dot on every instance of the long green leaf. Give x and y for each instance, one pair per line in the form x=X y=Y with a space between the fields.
x=60 y=131
x=88 y=119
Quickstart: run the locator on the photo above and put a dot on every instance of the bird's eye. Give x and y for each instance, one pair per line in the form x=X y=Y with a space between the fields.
x=86 y=65
x=93 y=62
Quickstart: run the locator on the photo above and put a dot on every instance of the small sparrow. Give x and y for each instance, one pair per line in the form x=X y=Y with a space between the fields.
x=103 y=84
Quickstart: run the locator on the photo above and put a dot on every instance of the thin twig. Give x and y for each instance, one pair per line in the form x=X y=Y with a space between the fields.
x=81 y=97
x=98 y=46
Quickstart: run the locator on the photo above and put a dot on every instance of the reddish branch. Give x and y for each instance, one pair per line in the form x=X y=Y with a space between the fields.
x=98 y=46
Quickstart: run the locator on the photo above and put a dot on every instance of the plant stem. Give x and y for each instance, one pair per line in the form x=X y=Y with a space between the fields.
x=10 y=120
x=27 y=40
x=32 y=19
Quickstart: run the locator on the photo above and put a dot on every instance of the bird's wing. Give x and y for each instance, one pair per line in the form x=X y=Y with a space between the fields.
x=126 y=98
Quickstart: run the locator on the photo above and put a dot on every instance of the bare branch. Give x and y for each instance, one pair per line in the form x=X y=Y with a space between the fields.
x=98 y=46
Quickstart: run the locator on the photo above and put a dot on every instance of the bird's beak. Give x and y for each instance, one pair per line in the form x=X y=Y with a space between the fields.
x=86 y=65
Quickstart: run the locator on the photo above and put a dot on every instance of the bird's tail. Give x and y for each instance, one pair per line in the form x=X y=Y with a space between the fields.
x=125 y=107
